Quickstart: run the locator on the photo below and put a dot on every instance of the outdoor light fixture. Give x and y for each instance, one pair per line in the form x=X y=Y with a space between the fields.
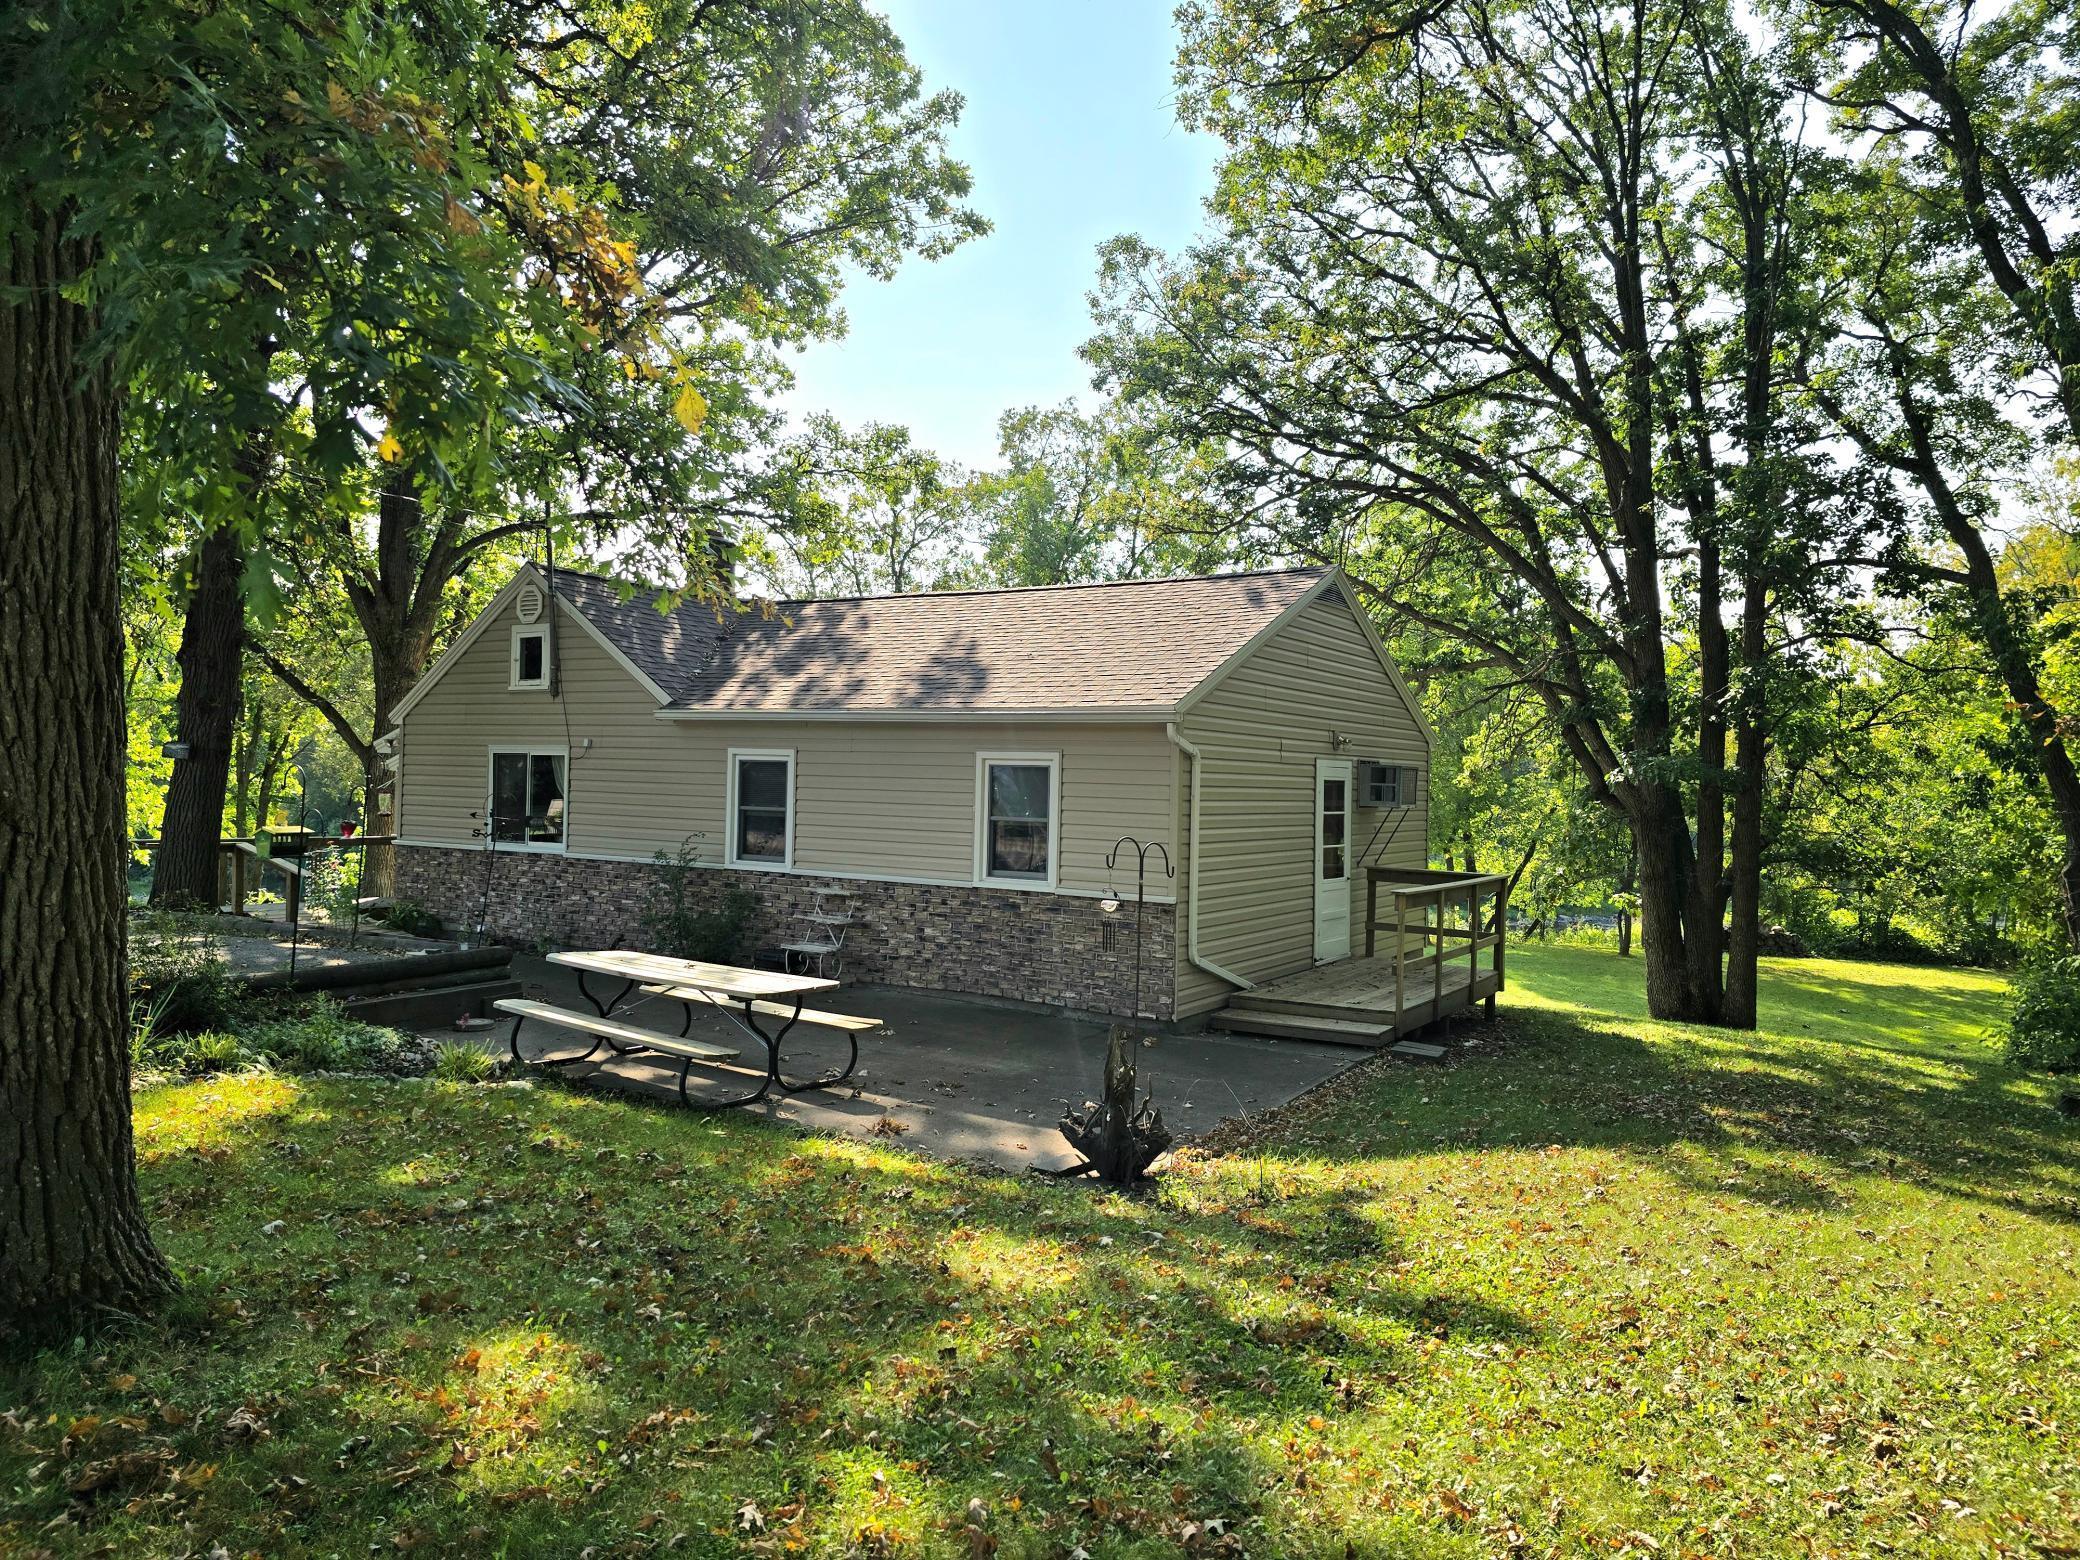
x=1109 y=906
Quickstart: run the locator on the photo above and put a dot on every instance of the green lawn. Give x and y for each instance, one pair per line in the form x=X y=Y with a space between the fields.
x=1599 y=1286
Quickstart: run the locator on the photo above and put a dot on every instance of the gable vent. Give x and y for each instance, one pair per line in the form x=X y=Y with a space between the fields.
x=529 y=605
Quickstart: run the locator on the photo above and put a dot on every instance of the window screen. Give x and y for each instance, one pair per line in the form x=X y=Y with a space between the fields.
x=761 y=823
x=1016 y=843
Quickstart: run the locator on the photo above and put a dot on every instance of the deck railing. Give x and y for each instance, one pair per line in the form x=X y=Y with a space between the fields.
x=242 y=869
x=1422 y=901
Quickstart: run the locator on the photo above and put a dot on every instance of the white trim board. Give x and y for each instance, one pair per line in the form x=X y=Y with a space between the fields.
x=1052 y=762
x=1249 y=647
x=1332 y=580
x=476 y=848
x=514 y=682
x=1386 y=659
x=730 y=858
x=527 y=750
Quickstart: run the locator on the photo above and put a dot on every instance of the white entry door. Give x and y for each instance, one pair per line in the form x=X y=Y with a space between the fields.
x=1332 y=859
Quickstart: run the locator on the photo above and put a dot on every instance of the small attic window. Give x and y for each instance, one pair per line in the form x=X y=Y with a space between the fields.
x=530 y=658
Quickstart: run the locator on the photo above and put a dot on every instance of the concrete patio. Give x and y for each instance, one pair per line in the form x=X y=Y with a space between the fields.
x=957 y=1077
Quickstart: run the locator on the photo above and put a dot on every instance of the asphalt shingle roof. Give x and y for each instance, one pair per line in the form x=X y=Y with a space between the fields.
x=671 y=648
x=1129 y=645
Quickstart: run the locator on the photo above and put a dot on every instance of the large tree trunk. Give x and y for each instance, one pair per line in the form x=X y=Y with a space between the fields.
x=212 y=661
x=395 y=672
x=1661 y=837
x=1704 y=937
x=1627 y=884
x=72 y=1231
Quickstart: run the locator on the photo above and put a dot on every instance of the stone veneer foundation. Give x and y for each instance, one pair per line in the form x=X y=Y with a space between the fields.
x=1035 y=947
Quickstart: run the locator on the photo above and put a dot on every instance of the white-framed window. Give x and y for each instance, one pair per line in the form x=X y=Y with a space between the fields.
x=530 y=664
x=527 y=796
x=761 y=807
x=1018 y=809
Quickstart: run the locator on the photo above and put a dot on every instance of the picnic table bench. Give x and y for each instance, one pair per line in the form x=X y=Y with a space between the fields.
x=742 y=996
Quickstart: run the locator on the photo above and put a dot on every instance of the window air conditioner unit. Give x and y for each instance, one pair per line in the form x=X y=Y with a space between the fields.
x=1386 y=785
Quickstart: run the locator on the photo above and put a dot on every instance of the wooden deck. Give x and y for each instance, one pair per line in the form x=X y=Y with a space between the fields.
x=1431 y=969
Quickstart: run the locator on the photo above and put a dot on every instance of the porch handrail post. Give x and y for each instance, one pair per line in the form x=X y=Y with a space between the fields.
x=1501 y=928
x=1437 y=965
x=1400 y=948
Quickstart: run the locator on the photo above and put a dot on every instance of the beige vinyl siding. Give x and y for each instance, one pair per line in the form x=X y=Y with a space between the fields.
x=1260 y=731
x=445 y=772
x=872 y=798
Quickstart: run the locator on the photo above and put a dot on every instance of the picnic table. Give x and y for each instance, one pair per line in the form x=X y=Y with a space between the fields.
x=742 y=996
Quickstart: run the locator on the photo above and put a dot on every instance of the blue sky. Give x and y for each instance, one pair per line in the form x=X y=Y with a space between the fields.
x=1070 y=134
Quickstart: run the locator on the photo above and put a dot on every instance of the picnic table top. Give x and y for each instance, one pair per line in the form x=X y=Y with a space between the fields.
x=724 y=980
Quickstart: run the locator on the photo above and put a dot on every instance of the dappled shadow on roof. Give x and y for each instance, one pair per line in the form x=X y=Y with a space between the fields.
x=1127 y=646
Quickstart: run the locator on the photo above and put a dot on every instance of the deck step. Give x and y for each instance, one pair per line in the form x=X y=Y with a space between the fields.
x=1292 y=1026
x=1418 y=1051
x=1270 y=1005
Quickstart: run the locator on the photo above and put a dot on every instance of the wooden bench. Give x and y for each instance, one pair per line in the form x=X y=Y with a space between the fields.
x=623 y=1038
x=692 y=994
x=612 y=1029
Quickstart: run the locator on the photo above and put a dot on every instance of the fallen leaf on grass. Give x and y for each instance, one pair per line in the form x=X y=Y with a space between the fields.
x=124 y=1468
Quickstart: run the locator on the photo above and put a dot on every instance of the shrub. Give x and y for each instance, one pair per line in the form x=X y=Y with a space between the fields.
x=322 y=1036
x=1886 y=942
x=213 y=1052
x=412 y=918
x=457 y=1061
x=179 y=982
x=677 y=924
x=331 y=881
x=2043 y=1023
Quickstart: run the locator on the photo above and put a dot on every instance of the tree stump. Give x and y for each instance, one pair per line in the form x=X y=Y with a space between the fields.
x=1118 y=1139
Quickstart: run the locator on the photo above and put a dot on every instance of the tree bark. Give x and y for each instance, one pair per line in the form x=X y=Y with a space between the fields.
x=1744 y=934
x=1627 y=883
x=72 y=1230
x=2006 y=634
x=1661 y=836
x=212 y=662
x=1704 y=919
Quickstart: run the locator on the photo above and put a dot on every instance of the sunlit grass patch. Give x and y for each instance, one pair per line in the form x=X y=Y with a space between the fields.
x=213 y=1116
x=1601 y=1285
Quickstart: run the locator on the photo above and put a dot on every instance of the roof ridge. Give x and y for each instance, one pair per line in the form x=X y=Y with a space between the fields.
x=591 y=574
x=968 y=590
x=1024 y=590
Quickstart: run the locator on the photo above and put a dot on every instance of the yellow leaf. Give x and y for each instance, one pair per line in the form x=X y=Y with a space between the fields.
x=336 y=95
x=691 y=408
x=388 y=448
x=534 y=173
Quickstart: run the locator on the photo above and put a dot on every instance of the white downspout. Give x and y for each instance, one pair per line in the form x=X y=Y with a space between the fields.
x=1191 y=879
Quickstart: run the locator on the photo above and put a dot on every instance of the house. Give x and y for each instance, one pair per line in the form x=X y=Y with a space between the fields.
x=959 y=763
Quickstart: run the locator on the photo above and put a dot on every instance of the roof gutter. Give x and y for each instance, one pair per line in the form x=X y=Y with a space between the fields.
x=1191 y=867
